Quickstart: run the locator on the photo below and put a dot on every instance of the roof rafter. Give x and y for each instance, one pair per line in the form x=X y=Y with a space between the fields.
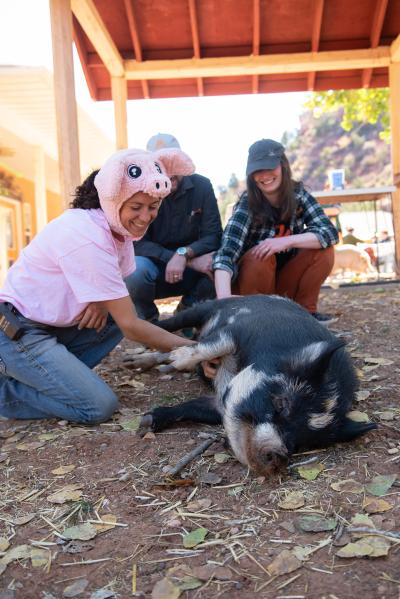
x=315 y=37
x=395 y=50
x=376 y=30
x=301 y=62
x=94 y=27
x=133 y=30
x=196 y=41
x=256 y=39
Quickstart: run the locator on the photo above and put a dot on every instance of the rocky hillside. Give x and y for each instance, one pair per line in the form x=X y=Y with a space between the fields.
x=321 y=145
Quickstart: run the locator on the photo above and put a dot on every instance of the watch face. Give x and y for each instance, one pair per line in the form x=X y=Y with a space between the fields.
x=181 y=251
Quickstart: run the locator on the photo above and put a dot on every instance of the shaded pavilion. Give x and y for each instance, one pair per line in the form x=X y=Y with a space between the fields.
x=135 y=49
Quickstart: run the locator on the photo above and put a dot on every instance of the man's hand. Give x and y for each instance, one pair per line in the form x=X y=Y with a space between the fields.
x=94 y=316
x=175 y=268
x=203 y=264
x=271 y=246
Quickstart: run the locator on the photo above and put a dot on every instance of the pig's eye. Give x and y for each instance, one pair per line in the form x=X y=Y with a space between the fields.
x=134 y=171
x=158 y=167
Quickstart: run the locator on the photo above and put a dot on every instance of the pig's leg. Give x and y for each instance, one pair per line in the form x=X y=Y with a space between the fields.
x=218 y=344
x=201 y=409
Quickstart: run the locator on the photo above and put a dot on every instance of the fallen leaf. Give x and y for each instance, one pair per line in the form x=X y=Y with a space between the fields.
x=76 y=588
x=310 y=471
x=237 y=490
x=63 y=469
x=221 y=457
x=284 y=563
x=40 y=557
x=371 y=546
x=135 y=384
x=362 y=520
x=3 y=457
x=357 y=416
x=48 y=436
x=18 y=552
x=292 y=501
x=30 y=446
x=379 y=485
x=376 y=506
x=68 y=493
x=77 y=547
x=387 y=416
x=362 y=395
x=195 y=537
x=22 y=519
x=109 y=518
x=316 y=523
x=4 y=544
x=188 y=583
x=210 y=478
x=165 y=589
x=149 y=436
x=348 y=486
x=80 y=532
x=102 y=594
x=132 y=424
x=199 y=504
x=378 y=361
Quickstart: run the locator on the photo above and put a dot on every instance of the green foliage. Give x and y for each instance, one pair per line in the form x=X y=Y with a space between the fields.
x=359 y=106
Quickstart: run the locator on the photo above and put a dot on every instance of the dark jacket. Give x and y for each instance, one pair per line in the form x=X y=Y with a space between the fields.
x=188 y=218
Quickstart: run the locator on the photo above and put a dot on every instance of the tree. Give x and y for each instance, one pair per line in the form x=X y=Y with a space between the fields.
x=359 y=106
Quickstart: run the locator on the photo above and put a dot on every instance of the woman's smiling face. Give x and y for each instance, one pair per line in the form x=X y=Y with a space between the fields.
x=138 y=212
x=268 y=181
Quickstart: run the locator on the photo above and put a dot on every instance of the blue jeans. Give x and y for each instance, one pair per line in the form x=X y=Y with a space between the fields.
x=148 y=283
x=47 y=373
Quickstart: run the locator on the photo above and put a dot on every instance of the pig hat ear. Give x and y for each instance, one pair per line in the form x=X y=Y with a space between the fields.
x=175 y=161
x=130 y=171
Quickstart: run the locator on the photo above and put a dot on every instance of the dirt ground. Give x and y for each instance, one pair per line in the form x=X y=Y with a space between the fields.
x=292 y=536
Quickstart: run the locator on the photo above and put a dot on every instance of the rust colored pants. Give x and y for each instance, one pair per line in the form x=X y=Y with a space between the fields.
x=300 y=278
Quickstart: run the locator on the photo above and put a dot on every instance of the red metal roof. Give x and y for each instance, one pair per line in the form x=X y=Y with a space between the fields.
x=146 y=30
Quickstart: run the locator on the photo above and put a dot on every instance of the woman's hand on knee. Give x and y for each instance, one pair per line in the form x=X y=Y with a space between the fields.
x=271 y=246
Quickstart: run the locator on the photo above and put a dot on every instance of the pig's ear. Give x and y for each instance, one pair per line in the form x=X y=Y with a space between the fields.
x=313 y=360
x=350 y=430
x=175 y=162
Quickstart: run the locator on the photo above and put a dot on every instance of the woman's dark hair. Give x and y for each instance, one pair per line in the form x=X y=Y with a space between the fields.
x=262 y=211
x=86 y=196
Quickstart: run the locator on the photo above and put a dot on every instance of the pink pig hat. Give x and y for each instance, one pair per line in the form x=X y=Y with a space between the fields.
x=129 y=171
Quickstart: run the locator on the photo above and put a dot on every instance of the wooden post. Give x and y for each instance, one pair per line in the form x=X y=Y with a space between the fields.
x=64 y=92
x=394 y=85
x=119 y=93
x=40 y=189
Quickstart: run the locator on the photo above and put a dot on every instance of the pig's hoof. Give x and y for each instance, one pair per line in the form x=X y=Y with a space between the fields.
x=145 y=425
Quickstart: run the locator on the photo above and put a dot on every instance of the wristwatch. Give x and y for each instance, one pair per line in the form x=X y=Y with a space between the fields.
x=184 y=251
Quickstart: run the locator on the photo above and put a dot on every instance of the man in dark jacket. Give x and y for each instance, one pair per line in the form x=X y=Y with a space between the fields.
x=175 y=255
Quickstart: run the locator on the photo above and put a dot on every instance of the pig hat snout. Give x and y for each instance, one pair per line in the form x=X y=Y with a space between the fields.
x=131 y=171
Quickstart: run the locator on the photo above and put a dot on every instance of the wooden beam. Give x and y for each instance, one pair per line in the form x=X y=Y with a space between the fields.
x=40 y=188
x=119 y=92
x=395 y=49
x=315 y=37
x=256 y=40
x=196 y=41
x=394 y=86
x=64 y=93
x=376 y=30
x=258 y=65
x=133 y=30
x=89 y=18
x=82 y=52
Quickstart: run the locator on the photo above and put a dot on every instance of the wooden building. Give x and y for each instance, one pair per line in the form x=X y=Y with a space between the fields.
x=133 y=49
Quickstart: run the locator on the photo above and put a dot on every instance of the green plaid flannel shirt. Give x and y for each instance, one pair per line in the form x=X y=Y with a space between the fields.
x=240 y=235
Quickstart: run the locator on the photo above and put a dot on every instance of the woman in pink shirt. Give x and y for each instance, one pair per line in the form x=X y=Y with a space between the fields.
x=66 y=297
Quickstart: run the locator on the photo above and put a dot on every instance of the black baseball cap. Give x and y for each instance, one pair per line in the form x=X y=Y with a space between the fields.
x=264 y=154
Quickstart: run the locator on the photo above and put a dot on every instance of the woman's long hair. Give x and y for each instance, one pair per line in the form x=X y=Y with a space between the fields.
x=261 y=209
x=86 y=196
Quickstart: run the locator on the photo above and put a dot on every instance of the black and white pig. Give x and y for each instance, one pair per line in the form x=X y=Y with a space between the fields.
x=283 y=381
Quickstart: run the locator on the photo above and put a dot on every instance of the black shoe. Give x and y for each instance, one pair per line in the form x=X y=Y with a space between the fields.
x=324 y=318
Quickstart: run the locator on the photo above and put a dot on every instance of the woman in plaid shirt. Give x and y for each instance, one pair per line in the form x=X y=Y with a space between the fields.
x=279 y=239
